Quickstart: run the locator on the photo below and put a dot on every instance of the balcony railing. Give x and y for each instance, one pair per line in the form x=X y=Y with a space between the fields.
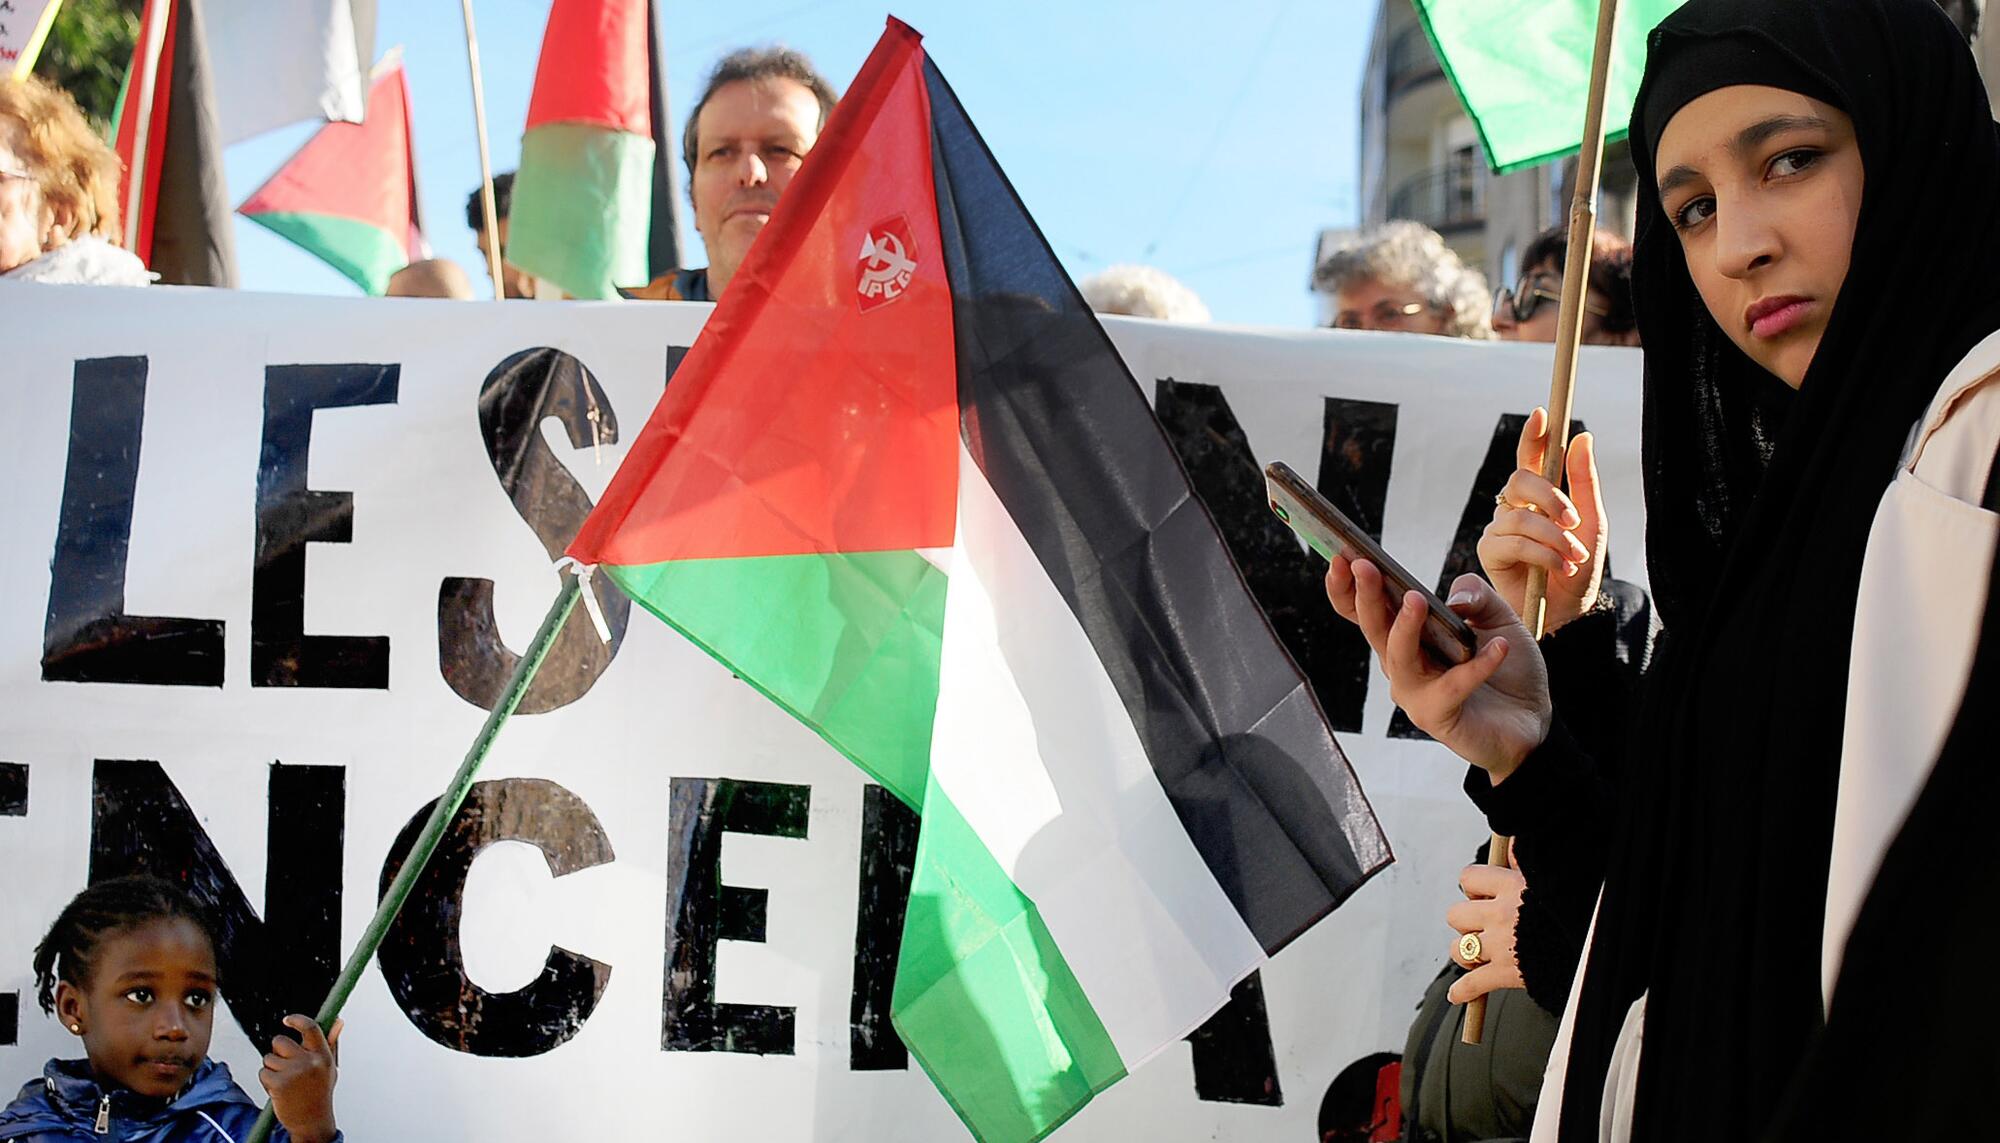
x=1410 y=58
x=1443 y=198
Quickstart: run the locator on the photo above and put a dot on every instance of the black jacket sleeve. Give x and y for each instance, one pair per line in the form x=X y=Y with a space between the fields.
x=1559 y=805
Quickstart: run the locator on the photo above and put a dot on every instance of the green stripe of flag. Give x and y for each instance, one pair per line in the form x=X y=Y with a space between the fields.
x=364 y=252
x=983 y=996
x=1522 y=69
x=849 y=644
x=583 y=208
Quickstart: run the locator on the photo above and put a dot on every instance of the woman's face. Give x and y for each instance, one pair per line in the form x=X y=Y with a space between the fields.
x=23 y=216
x=1543 y=281
x=1763 y=186
x=1368 y=303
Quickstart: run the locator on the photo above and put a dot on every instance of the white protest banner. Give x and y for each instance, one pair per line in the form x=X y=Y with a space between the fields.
x=265 y=560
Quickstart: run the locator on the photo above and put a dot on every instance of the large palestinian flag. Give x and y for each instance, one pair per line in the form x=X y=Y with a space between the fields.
x=904 y=486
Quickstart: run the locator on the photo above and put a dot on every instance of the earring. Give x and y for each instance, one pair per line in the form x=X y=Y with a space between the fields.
x=77 y=1028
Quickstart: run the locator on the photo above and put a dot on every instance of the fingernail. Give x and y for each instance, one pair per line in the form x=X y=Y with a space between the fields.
x=1569 y=517
x=1460 y=599
x=1569 y=569
x=1576 y=547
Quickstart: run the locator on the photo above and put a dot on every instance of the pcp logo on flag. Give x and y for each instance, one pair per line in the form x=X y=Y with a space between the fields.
x=888 y=259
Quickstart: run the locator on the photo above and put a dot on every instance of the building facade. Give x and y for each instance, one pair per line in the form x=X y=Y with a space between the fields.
x=1421 y=159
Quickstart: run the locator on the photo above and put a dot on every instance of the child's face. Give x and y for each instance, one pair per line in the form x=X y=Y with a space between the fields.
x=148 y=1008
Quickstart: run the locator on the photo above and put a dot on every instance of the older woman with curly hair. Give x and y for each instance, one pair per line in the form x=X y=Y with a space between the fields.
x=58 y=193
x=1401 y=277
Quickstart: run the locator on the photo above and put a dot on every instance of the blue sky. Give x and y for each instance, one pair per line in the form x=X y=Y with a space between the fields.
x=1213 y=141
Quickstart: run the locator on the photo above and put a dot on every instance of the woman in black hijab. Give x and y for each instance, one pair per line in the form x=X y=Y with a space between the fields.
x=1818 y=245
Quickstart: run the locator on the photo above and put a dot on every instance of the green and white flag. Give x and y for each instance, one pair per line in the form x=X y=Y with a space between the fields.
x=1522 y=69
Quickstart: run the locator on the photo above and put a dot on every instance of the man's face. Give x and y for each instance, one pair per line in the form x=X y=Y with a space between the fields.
x=519 y=283
x=23 y=216
x=148 y=1009
x=749 y=141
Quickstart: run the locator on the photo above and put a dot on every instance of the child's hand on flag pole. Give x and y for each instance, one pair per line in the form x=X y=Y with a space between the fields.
x=299 y=1074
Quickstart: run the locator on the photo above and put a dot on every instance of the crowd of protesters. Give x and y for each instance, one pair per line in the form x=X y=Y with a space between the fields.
x=1695 y=778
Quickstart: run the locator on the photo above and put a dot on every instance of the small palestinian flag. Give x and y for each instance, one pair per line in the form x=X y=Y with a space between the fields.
x=350 y=194
x=173 y=193
x=588 y=205
x=904 y=486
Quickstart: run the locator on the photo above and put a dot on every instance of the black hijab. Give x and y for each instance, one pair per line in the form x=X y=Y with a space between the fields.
x=1759 y=502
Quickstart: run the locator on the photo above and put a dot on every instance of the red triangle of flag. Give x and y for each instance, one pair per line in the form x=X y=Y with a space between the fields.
x=363 y=171
x=818 y=411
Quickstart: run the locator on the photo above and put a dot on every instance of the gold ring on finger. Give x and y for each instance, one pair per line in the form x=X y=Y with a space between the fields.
x=1471 y=949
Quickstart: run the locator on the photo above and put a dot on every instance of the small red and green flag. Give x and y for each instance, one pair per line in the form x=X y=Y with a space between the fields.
x=1522 y=69
x=587 y=208
x=174 y=193
x=904 y=486
x=349 y=195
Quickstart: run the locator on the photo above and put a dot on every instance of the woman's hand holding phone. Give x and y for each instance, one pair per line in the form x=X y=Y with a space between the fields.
x=1492 y=710
x=1541 y=527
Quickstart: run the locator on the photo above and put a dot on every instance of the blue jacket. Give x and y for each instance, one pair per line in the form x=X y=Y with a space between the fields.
x=66 y=1104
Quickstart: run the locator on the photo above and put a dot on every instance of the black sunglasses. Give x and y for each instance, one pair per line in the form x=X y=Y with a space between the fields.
x=1527 y=296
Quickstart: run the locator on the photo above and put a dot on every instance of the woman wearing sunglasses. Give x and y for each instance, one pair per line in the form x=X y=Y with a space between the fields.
x=1526 y=311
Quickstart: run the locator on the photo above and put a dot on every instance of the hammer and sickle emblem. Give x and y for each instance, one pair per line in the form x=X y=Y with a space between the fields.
x=883 y=260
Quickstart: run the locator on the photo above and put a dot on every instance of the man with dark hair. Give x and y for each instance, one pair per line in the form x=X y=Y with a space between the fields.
x=516 y=282
x=762 y=110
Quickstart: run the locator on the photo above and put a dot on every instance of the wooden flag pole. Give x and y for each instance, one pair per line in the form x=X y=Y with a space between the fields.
x=486 y=204
x=1562 y=384
x=441 y=815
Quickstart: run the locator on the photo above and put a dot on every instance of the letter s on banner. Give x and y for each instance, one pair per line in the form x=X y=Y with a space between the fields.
x=518 y=396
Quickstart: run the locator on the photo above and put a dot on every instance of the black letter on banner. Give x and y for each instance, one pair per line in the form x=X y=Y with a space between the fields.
x=1234 y=1061
x=888 y=855
x=284 y=963
x=1464 y=554
x=88 y=638
x=1286 y=579
x=290 y=515
x=13 y=804
x=701 y=911
x=518 y=396
x=423 y=960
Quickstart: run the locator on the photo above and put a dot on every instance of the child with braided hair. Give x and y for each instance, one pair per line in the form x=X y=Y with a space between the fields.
x=130 y=967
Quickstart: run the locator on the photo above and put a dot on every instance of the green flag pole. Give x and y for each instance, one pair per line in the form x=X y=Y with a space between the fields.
x=1562 y=384
x=440 y=819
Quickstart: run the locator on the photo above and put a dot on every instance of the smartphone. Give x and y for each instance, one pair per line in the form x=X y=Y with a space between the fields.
x=1331 y=533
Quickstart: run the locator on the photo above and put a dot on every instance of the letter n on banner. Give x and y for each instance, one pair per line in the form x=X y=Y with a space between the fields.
x=140 y=823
